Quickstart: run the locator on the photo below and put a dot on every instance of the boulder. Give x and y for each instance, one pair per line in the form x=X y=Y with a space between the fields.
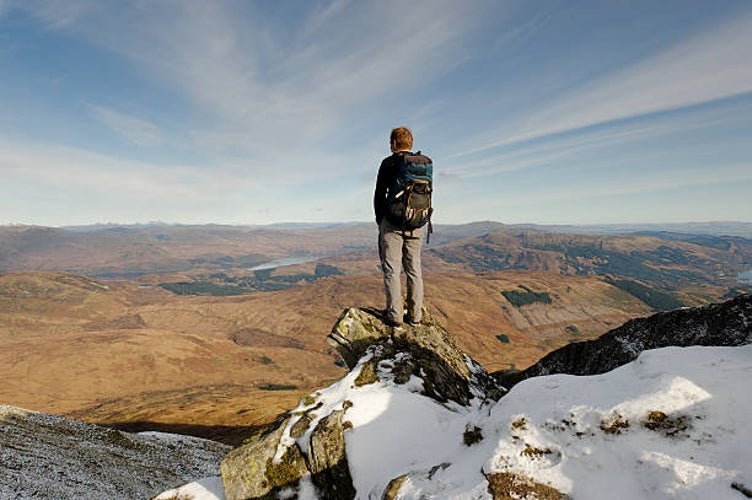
x=426 y=351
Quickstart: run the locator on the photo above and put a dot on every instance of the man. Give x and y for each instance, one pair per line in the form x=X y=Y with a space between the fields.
x=397 y=246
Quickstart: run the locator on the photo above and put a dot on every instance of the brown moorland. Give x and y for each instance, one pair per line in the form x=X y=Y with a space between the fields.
x=138 y=356
x=128 y=352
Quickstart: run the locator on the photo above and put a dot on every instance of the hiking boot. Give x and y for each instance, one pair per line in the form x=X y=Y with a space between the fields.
x=397 y=325
x=411 y=321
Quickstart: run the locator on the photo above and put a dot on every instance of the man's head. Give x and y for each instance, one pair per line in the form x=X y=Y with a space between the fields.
x=401 y=139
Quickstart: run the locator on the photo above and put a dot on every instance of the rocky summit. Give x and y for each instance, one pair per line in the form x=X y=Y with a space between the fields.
x=416 y=417
x=310 y=444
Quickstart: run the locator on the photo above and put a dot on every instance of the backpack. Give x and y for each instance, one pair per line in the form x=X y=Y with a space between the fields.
x=409 y=199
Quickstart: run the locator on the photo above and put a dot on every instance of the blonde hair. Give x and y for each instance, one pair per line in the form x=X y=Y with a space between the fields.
x=402 y=138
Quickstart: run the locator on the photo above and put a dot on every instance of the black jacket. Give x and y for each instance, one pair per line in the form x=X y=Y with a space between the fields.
x=385 y=180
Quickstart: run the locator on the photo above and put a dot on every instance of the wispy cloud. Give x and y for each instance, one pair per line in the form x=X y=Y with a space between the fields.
x=277 y=87
x=64 y=168
x=596 y=141
x=280 y=107
x=135 y=130
x=323 y=15
x=712 y=65
x=106 y=188
x=652 y=196
x=53 y=13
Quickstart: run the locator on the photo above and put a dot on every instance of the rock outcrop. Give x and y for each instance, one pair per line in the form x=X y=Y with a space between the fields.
x=308 y=448
x=724 y=324
x=428 y=352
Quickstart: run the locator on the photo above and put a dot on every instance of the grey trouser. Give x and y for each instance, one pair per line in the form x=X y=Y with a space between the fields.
x=396 y=249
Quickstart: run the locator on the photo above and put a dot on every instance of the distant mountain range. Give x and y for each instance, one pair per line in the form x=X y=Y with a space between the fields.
x=667 y=254
x=671 y=262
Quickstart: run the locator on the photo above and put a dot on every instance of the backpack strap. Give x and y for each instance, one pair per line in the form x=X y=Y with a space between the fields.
x=430 y=229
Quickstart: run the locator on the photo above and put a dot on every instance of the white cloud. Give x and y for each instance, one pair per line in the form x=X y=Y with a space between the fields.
x=136 y=130
x=275 y=86
x=631 y=184
x=600 y=142
x=68 y=169
x=55 y=13
x=45 y=184
x=322 y=16
x=710 y=66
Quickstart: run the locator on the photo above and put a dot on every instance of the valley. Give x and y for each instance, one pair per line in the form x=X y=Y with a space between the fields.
x=211 y=347
x=128 y=354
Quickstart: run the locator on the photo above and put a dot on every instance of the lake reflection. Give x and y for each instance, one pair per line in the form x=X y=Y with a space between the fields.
x=285 y=261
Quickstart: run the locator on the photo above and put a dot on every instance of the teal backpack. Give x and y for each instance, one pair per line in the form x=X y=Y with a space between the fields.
x=409 y=199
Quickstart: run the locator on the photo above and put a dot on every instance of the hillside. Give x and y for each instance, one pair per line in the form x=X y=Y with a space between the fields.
x=199 y=343
x=113 y=251
x=46 y=456
x=126 y=251
x=139 y=356
x=675 y=269
x=669 y=260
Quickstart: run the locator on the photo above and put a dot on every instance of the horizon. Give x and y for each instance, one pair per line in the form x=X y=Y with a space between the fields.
x=593 y=225
x=253 y=113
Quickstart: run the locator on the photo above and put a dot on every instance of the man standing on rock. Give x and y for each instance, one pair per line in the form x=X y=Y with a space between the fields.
x=401 y=205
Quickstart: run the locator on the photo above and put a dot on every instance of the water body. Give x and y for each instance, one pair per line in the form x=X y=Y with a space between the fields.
x=746 y=277
x=285 y=261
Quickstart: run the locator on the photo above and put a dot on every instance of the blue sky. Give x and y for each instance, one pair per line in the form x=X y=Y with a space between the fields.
x=253 y=112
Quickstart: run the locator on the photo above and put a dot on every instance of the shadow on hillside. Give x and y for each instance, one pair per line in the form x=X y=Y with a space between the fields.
x=233 y=435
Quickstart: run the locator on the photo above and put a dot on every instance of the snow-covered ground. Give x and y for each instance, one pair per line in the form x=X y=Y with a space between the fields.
x=675 y=423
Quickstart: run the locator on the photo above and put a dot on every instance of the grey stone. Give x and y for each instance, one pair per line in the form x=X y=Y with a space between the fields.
x=327 y=459
x=48 y=456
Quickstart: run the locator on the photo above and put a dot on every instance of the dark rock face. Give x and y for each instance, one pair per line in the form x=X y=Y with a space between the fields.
x=725 y=324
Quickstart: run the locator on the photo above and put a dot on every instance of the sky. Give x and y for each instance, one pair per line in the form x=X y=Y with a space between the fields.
x=551 y=430
x=257 y=112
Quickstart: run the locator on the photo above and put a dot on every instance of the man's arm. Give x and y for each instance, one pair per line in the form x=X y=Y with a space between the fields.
x=379 y=195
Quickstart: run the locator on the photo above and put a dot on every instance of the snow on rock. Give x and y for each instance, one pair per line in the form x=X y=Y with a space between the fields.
x=672 y=424
x=208 y=488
